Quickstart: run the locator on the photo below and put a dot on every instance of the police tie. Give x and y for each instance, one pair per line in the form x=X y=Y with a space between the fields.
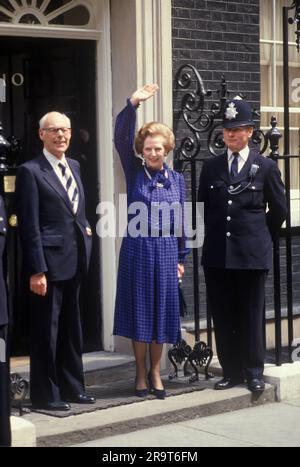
x=70 y=186
x=234 y=170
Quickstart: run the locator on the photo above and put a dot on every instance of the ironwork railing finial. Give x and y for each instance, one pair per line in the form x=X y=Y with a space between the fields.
x=273 y=136
x=296 y=21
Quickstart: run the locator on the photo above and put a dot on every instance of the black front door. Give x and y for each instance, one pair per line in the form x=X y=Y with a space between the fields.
x=43 y=75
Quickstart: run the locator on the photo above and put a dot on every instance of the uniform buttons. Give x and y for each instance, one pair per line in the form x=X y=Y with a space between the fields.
x=212 y=187
x=253 y=188
x=230 y=202
x=229 y=218
x=4 y=229
x=231 y=187
x=228 y=234
x=1 y=219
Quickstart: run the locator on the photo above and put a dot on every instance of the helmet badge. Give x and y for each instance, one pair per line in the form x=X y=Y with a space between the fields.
x=231 y=111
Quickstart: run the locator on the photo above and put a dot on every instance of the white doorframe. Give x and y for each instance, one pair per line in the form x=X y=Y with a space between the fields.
x=106 y=174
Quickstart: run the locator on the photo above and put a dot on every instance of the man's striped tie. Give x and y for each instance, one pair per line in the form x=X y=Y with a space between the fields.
x=70 y=185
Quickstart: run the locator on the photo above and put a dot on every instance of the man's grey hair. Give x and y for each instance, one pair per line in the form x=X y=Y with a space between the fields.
x=45 y=118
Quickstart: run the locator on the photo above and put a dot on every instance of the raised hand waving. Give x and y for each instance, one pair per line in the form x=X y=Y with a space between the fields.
x=144 y=93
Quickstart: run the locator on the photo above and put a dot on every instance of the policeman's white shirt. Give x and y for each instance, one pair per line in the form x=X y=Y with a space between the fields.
x=54 y=163
x=242 y=158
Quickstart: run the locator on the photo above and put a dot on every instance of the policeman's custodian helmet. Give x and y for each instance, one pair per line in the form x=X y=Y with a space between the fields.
x=237 y=113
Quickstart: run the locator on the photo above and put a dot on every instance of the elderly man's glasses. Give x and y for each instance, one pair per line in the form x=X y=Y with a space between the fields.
x=55 y=131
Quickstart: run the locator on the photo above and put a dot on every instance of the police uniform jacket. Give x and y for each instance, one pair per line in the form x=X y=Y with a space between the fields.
x=3 y=298
x=238 y=228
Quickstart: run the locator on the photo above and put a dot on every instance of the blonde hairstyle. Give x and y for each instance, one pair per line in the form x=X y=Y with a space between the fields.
x=155 y=129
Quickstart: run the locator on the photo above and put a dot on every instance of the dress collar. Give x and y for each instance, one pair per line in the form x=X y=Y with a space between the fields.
x=158 y=178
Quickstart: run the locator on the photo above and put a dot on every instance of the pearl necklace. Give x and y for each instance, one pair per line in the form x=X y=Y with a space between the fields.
x=159 y=185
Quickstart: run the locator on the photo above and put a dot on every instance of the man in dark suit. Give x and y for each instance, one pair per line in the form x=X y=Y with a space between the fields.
x=237 y=188
x=5 y=434
x=56 y=241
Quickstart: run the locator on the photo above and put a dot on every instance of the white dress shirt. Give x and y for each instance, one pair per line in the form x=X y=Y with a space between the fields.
x=242 y=158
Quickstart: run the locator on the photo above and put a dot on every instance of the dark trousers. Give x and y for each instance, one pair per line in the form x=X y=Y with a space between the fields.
x=5 y=433
x=236 y=299
x=56 y=369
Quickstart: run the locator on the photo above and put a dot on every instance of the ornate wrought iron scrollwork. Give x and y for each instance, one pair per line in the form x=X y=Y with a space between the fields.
x=199 y=120
x=201 y=355
x=182 y=354
x=259 y=138
x=270 y=139
x=202 y=119
x=179 y=353
x=19 y=388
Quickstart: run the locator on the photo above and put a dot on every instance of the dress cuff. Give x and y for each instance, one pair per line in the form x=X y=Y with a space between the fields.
x=133 y=107
x=182 y=255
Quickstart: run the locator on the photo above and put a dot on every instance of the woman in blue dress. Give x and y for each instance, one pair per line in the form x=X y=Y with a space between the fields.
x=152 y=258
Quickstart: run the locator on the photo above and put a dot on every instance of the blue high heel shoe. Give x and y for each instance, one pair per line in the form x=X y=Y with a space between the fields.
x=141 y=392
x=159 y=393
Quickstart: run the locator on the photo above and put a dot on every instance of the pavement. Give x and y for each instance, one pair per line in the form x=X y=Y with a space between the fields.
x=272 y=425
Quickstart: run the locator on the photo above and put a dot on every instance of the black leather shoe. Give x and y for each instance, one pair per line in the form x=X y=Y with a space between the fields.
x=256 y=385
x=81 y=399
x=227 y=383
x=53 y=406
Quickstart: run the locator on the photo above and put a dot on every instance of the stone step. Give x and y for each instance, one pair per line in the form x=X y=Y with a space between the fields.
x=23 y=433
x=111 y=379
x=122 y=419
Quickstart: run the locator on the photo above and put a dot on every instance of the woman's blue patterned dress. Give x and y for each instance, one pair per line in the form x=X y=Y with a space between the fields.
x=147 y=301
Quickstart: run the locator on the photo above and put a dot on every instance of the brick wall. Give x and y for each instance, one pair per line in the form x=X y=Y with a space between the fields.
x=220 y=37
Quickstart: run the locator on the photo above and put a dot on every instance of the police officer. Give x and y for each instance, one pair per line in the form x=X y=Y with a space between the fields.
x=237 y=188
x=5 y=435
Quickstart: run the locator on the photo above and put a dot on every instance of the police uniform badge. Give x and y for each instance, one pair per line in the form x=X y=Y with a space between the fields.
x=231 y=111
